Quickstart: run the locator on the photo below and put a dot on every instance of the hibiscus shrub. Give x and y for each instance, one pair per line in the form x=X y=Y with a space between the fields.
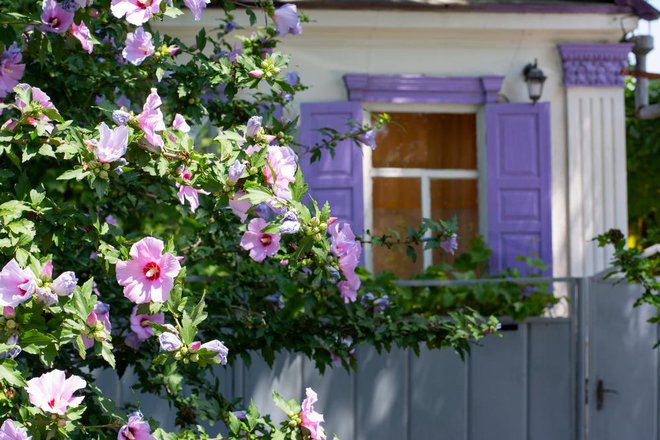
x=153 y=217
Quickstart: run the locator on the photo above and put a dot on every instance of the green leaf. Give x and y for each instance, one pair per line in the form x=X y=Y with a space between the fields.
x=201 y=40
x=298 y=187
x=160 y=72
x=190 y=321
x=106 y=353
x=80 y=345
x=257 y=194
x=22 y=257
x=290 y=407
x=77 y=174
x=9 y=374
x=46 y=150
x=234 y=424
x=198 y=314
x=172 y=12
x=53 y=114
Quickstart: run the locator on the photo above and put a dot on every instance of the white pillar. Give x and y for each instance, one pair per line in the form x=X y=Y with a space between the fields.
x=596 y=141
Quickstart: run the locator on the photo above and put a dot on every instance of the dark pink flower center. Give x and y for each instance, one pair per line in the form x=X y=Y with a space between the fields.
x=144 y=4
x=266 y=239
x=23 y=291
x=143 y=322
x=52 y=403
x=151 y=271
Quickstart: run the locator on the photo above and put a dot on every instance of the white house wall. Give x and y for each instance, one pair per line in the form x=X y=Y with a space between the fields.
x=475 y=44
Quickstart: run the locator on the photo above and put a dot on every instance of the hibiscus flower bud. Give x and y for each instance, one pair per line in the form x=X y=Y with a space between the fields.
x=120 y=117
x=256 y=73
x=169 y=342
x=236 y=172
x=65 y=283
x=92 y=320
x=290 y=223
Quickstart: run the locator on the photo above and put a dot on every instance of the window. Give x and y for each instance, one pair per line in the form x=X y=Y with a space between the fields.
x=424 y=166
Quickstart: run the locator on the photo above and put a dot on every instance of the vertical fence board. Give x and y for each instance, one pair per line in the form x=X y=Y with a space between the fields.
x=381 y=395
x=550 y=372
x=498 y=389
x=438 y=396
x=336 y=390
x=285 y=377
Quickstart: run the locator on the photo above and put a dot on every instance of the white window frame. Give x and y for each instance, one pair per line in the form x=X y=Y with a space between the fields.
x=425 y=175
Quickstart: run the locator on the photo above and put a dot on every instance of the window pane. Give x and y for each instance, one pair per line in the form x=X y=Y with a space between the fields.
x=427 y=140
x=396 y=205
x=459 y=198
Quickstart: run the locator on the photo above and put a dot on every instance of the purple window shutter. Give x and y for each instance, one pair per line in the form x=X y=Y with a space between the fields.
x=336 y=180
x=519 y=192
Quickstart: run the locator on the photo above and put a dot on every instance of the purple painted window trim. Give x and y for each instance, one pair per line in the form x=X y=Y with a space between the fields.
x=594 y=65
x=401 y=89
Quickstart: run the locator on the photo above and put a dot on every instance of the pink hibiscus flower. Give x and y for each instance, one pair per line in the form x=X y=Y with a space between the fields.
x=139 y=46
x=348 y=288
x=180 y=124
x=281 y=162
x=260 y=244
x=139 y=324
x=112 y=144
x=196 y=7
x=135 y=429
x=11 y=69
x=151 y=119
x=309 y=418
x=55 y=18
x=149 y=276
x=53 y=393
x=187 y=192
x=16 y=285
x=81 y=32
x=38 y=96
x=348 y=250
x=11 y=431
x=137 y=12
x=240 y=206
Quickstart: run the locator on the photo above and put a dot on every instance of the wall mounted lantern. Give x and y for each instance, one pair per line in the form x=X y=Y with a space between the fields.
x=534 y=78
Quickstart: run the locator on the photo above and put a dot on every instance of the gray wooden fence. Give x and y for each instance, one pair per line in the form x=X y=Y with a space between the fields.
x=536 y=382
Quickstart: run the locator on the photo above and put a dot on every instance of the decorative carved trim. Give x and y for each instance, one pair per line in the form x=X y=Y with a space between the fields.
x=422 y=89
x=594 y=65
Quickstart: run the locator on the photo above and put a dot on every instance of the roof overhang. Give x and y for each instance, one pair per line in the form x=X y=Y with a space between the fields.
x=639 y=8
